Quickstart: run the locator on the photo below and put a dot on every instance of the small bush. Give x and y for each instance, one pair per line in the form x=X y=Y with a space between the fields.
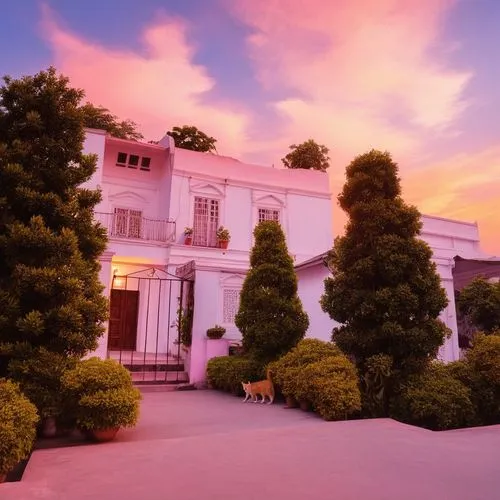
x=287 y=369
x=39 y=376
x=483 y=363
x=331 y=385
x=101 y=395
x=227 y=372
x=435 y=400
x=18 y=419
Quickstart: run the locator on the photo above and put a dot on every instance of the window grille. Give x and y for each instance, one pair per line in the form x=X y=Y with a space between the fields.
x=269 y=214
x=127 y=223
x=206 y=222
x=230 y=305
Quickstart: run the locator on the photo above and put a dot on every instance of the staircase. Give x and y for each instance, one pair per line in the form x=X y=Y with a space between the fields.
x=151 y=369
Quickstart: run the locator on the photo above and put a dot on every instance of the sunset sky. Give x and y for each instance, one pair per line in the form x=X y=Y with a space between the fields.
x=419 y=78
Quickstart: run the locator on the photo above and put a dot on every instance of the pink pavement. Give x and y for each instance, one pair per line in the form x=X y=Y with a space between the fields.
x=206 y=445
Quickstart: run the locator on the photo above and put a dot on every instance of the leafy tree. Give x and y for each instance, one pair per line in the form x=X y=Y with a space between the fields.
x=50 y=293
x=101 y=118
x=385 y=290
x=189 y=137
x=270 y=317
x=308 y=155
x=480 y=301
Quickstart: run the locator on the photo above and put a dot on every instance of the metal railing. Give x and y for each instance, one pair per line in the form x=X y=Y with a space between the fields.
x=134 y=227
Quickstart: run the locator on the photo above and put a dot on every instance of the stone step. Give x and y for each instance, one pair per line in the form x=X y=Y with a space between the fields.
x=159 y=377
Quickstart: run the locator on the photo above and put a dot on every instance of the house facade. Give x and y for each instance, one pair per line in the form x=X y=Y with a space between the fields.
x=159 y=285
x=150 y=194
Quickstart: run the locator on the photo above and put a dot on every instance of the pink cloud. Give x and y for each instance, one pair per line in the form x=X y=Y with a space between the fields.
x=158 y=88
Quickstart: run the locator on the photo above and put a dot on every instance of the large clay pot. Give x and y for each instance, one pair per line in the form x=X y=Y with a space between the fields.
x=223 y=244
x=188 y=240
x=102 y=435
x=291 y=402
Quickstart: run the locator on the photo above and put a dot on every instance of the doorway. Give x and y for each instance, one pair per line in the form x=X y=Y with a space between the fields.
x=123 y=316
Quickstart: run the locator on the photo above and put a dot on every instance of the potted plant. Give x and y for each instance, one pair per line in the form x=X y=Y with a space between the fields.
x=216 y=332
x=18 y=419
x=101 y=397
x=188 y=236
x=223 y=237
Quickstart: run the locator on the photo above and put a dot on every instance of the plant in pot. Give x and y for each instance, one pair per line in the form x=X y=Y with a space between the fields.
x=39 y=375
x=223 y=237
x=188 y=236
x=101 y=397
x=216 y=332
x=18 y=419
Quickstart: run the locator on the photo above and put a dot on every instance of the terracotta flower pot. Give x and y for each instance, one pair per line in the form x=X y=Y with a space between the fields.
x=188 y=240
x=291 y=402
x=102 y=435
x=223 y=244
x=305 y=405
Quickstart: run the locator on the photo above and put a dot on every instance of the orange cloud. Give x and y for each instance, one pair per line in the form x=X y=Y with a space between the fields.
x=158 y=88
x=464 y=187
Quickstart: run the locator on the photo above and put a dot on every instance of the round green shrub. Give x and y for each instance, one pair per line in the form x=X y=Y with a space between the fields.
x=227 y=372
x=39 y=376
x=287 y=368
x=435 y=400
x=331 y=385
x=101 y=395
x=18 y=419
x=483 y=362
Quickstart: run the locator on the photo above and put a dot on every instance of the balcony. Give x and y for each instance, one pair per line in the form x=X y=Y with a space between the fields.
x=131 y=226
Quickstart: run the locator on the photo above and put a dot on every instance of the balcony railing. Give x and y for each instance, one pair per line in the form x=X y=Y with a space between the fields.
x=135 y=227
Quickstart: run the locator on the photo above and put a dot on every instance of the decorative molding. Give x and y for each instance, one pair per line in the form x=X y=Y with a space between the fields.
x=268 y=199
x=128 y=196
x=233 y=281
x=208 y=189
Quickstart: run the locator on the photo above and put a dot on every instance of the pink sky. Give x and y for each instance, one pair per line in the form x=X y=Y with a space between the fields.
x=350 y=74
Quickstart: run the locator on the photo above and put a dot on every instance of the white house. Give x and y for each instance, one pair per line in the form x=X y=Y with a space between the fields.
x=152 y=192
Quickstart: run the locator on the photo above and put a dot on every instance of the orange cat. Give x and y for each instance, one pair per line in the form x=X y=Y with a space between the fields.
x=262 y=387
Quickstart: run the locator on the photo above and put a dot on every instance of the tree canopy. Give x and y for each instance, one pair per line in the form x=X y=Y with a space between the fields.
x=101 y=118
x=480 y=301
x=385 y=290
x=50 y=294
x=190 y=137
x=309 y=155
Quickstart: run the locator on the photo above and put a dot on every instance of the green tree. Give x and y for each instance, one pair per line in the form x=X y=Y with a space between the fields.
x=101 y=118
x=385 y=290
x=480 y=301
x=50 y=293
x=189 y=137
x=308 y=155
x=270 y=318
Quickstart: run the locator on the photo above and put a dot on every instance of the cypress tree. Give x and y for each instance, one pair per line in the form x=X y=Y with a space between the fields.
x=385 y=290
x=270 y=317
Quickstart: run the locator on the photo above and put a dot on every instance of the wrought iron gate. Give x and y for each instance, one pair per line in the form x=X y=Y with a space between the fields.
x=147 y=314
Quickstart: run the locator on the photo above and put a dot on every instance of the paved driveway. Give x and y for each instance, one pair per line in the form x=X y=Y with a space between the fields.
x=206 y=445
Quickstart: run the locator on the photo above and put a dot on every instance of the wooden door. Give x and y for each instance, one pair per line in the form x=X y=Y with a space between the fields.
x=123 y=314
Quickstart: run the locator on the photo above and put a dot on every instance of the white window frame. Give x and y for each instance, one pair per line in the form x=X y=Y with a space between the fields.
x=209 y=238
x=233 y=282
x=270 y=212
x=128 y=230
x=203 y=189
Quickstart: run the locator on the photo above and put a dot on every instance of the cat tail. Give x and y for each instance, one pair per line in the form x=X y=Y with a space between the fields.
x=268 y=373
